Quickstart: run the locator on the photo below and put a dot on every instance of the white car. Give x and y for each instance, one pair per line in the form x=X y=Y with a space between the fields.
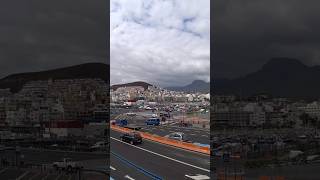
x=131 y=114
x=177 y=136
x=99 y=145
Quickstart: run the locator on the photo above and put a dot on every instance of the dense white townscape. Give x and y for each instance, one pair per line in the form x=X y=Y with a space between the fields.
x=261 y=111
x=70 y=107
x=263 y=131
x=138 y=94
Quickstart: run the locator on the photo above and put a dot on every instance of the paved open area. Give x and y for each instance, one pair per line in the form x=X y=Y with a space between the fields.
x=155 y=160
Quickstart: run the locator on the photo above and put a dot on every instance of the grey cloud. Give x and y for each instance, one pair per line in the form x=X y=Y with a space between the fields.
x=151 y=44
x=43 y=34
x=248 y=33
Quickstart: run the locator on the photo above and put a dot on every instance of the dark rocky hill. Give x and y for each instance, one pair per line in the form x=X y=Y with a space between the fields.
x=279 y=77
x=89 y=70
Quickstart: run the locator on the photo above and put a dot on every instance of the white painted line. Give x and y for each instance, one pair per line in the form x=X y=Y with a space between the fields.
x=181 y=162
x=198 y=177
x=23 y=175
x=128 y=177
x=113 y=168
x=204 y=135
x=182 y=149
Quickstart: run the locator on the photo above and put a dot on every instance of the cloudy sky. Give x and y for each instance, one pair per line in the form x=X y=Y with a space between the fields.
x=248 y=33
x=44 y=34
x=164 y=42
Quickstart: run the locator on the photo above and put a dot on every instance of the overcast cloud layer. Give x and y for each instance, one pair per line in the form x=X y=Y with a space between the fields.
x=161 y=42
x=44 y=34
x=248 y=33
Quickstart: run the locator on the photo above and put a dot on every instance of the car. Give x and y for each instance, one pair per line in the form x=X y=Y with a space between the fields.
x=133 y=127
x=177 y=136
x=66 y=164
x=100 y=145
x=153 y=121
x=121 y=122
x=132 y=138
x=131 y=114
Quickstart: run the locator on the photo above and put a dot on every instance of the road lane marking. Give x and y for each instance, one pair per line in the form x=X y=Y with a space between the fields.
x=113 y=168
x=178 y=161
x=140 y=169
x=128 y=177
x=202 y=154
x=198 y=177
x=23 y=175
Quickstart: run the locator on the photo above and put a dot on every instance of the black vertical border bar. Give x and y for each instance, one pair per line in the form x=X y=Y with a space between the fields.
x=211 y=84
x=107 y=130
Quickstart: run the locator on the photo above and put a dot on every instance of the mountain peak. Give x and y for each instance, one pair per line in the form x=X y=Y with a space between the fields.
x=279 y=77
x=88 y=70
x=195 y=86
x=198 y=82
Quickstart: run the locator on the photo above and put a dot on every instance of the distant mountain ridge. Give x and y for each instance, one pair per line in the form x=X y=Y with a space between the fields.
x=279 y=77
x=88 y=70
x=136 y=83
x=195 y=86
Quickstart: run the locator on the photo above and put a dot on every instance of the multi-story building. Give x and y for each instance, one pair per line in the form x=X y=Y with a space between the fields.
x=231 y=119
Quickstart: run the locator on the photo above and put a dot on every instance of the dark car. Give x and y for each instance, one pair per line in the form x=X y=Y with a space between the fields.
x=153 y=121
x=132 y=138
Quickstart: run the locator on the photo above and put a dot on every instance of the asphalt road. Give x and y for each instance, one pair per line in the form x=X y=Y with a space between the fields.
x=159 y=160
x=90 y=161
x=13 y=173
x=122 y=169
x=37 y=156
x=196 y=135
x=193 y=134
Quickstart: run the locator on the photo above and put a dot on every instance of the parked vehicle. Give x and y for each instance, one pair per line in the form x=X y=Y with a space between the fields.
x=67 y=164
x=132 y=138
x=121 y=122
x=153 y=121
x=131 y=114
x=133 y=127
x=100 y=145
